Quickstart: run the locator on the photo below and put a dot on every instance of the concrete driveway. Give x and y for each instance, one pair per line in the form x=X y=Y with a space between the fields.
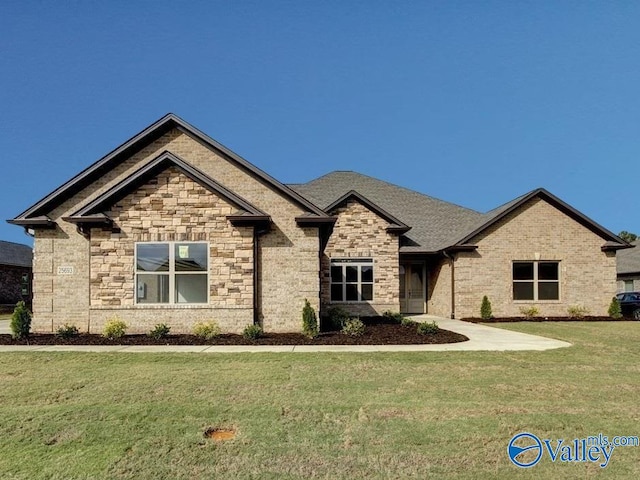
x=481 y=338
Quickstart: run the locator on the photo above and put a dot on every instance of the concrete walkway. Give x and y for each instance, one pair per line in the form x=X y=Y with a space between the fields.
x=481 y=338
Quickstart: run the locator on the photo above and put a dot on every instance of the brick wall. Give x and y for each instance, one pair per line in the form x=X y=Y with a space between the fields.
x=537 y=230
x=360 y=233
x=288 y=255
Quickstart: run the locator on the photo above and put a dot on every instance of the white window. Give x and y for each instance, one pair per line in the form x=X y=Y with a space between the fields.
x=172 y=272
x=628 y=285
x=352 y=280
x=536 y=280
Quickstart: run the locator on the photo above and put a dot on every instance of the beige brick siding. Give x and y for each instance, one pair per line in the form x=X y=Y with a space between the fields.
x=535 y=230
x=360 y=233
x=439 y=288
x=285 y=249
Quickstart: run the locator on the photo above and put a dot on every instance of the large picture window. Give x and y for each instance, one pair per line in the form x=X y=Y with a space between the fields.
x=352 y=280
x=536 y=280
x=172 y=272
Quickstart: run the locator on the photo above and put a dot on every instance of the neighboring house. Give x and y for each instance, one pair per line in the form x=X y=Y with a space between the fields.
x=628 y=262
x=15 y=273
x=173 y=227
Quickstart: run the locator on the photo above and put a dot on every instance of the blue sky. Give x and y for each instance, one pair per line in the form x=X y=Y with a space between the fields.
x=471 y=102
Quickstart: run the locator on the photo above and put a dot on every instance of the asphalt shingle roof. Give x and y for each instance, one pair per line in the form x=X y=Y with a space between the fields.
x=15 y=254
x=628 y=260
x=435 y=224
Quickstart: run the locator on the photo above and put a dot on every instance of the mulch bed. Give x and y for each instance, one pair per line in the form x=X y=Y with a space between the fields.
x=376 y=333
x=545 y=319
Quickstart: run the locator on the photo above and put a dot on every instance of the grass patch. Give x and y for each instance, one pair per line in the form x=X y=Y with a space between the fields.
x=329 y=415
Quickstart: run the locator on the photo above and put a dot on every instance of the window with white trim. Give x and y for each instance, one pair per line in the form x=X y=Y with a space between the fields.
x=539 y=280
x=352 y=280
x=172 y=272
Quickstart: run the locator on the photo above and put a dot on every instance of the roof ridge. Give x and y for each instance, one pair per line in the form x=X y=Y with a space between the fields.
x=394 y=185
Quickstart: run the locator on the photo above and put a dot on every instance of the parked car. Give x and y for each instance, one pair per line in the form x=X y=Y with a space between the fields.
x=630 y=304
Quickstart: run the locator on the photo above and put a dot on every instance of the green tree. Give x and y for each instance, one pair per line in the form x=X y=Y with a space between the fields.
x=614 y=308
x=20 y=321
x=485 y=309
x=309 y=320
x=628 y=236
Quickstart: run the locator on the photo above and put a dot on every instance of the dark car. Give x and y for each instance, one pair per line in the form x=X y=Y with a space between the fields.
x=630 y=304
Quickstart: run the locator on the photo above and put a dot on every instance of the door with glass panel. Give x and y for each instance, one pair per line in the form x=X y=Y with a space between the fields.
x=412 y=288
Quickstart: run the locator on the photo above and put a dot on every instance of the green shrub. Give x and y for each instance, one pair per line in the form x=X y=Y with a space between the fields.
x=206 y=331
x=67 y=331
x=20 y=321
x=428 y=328
x=485 y=309
x=407 y=322
x=114 y=329
x=353 y=327
x=529 y=312
x=160 y=331
x=614 y=308
x=309 y=320
x=577 y=311
x=252 y=332
x=394 y=317
x=337 y=317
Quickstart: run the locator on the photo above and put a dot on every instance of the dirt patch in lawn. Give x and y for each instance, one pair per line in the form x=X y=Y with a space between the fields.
x=220 y=434
x=377 y=332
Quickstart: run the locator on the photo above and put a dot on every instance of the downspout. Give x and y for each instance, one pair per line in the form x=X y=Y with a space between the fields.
x=256 y=293
x=453 y=282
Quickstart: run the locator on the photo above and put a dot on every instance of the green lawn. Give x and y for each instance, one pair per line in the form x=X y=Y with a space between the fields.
x=404 y=415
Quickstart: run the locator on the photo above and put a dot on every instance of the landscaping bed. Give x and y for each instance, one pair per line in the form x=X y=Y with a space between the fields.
x=545 y=319
x=377 y=332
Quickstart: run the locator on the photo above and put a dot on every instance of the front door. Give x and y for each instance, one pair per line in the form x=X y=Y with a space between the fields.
x=412 y=288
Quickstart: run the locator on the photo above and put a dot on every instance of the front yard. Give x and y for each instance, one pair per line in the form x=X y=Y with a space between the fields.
x=325 y=415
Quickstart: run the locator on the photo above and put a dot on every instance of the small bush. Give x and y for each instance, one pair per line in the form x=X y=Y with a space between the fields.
x=160 y=331
x=529 y=312
x=577 y=311
x=353 y=327
x=394 y=317
x=114 y=329
x=20 y=321
x=337 y=317
x=614 y=308
x=428 y=328
x=67 y=331
x=309 y=320
x=485 y=309
x=252 y=332
x=407 y=322
x=206 y=331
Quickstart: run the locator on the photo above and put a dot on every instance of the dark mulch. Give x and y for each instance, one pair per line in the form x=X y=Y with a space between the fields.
x=545 y=319
x=376 y=333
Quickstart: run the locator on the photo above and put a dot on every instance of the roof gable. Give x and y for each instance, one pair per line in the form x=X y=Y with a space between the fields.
x=612 y=241
x=138 y=142
x=93 y=212
x=395 y=225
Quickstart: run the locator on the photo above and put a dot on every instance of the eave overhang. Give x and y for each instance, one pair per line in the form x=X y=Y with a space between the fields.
x=35 y=222
x=315 y=220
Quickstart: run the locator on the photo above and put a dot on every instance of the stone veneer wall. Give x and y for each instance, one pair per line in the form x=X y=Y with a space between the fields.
x=288 y=254
x=360 y=233
x=172 y=207
x=587 y=275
